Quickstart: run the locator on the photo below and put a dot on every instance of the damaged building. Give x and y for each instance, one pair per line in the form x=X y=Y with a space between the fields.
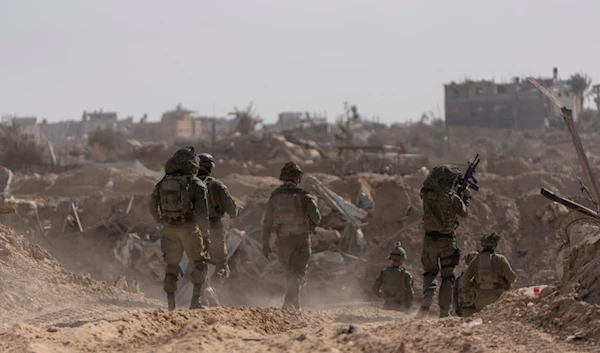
x=516 y=105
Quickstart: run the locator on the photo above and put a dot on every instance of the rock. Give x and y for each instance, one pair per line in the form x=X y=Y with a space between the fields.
x=582 y=293
x=575 y=338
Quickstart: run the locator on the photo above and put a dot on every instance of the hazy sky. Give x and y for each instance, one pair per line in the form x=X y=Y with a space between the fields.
x=60 y=57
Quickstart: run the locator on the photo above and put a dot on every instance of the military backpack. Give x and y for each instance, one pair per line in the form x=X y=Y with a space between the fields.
x=174 y=194
x=393 y=285
x=487 y=274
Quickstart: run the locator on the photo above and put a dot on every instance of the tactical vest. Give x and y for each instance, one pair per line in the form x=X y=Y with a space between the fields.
x=466 y=295
x=393 y=284
x=289 y=213
x=174 y=192
x=487 y=273
x=438 y=215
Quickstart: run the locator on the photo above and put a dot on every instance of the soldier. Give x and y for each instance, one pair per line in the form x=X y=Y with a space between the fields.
x=294 y=213
x=395 y=283
x=219 y=202
x=464 y=297
x=179 y=202
x=441 y=208
x=492 y=272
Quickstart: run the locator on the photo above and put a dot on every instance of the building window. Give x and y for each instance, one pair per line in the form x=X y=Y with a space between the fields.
x=455 y=92
x=478 y=91
x=501 y=89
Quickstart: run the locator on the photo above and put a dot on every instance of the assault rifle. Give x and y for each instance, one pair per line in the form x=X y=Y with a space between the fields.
x=468 y=180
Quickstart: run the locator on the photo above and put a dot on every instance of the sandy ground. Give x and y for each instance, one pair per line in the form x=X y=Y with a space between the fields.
x=272 y=330
x=47 y=308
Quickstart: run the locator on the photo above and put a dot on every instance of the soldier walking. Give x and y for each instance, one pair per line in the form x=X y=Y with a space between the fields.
x=179 y=202
x=219 y=203
x=293 y=213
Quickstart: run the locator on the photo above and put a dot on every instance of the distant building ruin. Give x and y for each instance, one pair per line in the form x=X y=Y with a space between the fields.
x=516 y=105
x=175 y=125
x=30 y=128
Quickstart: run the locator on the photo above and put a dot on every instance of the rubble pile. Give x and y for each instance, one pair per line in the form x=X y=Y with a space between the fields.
x=269 y=149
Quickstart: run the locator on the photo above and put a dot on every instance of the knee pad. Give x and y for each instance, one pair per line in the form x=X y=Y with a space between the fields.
x=174 y=271
x=199 y=273
x=200 y=265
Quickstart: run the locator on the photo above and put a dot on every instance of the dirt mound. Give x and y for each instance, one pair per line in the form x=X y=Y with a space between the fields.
x=84 y=182
x=509 y=166
x=559 y=314
x=581 y=267
x=33 y=282
x=242 y=186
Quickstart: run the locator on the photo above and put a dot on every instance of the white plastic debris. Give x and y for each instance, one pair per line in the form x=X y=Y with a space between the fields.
x=473 y=323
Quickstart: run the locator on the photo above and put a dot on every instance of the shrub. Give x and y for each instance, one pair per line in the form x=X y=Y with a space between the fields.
x=17 y=148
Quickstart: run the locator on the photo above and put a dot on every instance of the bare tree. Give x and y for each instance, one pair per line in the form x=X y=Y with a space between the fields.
x=579 y=85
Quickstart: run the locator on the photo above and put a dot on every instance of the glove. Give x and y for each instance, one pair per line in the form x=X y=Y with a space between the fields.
x=267 y=252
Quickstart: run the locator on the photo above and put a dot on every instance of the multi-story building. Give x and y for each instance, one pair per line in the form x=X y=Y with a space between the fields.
x=175 y=125
x=517 y=104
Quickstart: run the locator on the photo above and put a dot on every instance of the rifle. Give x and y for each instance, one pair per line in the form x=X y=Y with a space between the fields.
x=569 y=204
x=468 y=180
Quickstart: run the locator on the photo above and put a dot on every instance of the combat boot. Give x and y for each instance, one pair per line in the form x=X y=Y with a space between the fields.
x=171 y=301
x=196 y=304
x=424 y=310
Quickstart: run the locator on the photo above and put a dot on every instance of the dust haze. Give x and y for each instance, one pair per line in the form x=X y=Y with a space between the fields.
x=96 y=96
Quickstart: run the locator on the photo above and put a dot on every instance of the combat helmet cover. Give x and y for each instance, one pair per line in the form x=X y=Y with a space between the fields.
x=490 y=240
x=398 y=253
x=290 y=171
x=442 y=175
x=183 y=161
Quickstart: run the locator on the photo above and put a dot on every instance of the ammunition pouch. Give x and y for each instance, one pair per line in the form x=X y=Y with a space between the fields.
x=435 y=236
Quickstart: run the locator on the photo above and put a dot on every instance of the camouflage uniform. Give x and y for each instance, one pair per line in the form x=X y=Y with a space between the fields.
x=492 y=273
x=185 y=233
x=395 y=284
x=464 y=297
x=294 y=213
x=219 y=202
x=441 y=207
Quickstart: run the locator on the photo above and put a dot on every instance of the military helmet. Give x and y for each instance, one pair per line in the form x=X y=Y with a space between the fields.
x=290 y=171
x=398 y=253
x=470 y=256
x=444 y=174
x=195 y=162
x=490 y=240
x=184 y=161
x=207 y=162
